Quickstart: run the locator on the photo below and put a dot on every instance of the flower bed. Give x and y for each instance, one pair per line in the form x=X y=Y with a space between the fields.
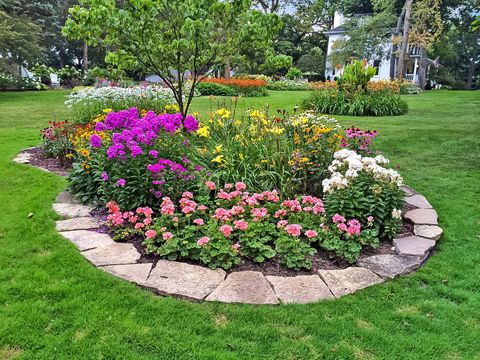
x=244 y=87
x=225 y=189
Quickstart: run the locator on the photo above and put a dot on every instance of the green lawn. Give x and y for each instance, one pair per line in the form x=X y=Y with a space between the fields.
x=55 y=305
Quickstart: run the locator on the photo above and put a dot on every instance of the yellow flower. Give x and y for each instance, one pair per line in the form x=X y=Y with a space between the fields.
x=277 y=130
x=218 y=159
x=106 y=111
x=264 y=161
x=218 y=148
x=224 y=113
x=203 y=131
x=237 y=123
x=241 y=156
x=84 y=152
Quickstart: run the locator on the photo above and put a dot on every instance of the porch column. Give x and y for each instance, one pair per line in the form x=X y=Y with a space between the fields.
x=415 y=71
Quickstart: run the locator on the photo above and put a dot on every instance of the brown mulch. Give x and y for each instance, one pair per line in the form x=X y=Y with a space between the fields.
x=51 y=164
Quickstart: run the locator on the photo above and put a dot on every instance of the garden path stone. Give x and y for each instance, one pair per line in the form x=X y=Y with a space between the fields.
x=137 y=273
x=408 y=190
x=71 y=210
x=390 y=266
x=419 y=201
x=112 y=254
x=86 y=240
x=184 y=280
x=349 y=280
x=248 y=287
x=22 y=158
x=428 y=231
x=80 y=223
x=66 y=197
x=413 y=245
x=301 y=289
x=422 y=216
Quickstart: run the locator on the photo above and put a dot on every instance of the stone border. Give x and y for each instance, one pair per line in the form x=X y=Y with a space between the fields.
x=193 y=282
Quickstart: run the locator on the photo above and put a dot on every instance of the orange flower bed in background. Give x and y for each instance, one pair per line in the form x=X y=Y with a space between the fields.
x=241 y=83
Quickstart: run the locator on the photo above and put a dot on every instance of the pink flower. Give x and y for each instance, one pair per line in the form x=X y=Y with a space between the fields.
x=133 y=219
x=318 y=208
x=237 y=210
x=240 y=186
x=282 y=223
x=198 y=222
x=236 y=247
x=175 y=219
x=167 y=236
x=370 y=219
x=203 y=241
x=342 y=226
x=280 y=213
x=222 y=214
x=228 y=186
x=259 y=213
x=354 y=227
x=311 y=234
x=139 y=225
x=226 y=230
x=167 y=209
x=338 y=218
x=241 y=224
x=293 y=229
x=147 y=221
x=188 y=210
x=150 y=234
x=188 y=195
x=202 y=208
x=292 y=205
x=211 y=185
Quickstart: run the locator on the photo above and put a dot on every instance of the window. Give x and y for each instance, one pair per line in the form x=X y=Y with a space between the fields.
x=376 y=65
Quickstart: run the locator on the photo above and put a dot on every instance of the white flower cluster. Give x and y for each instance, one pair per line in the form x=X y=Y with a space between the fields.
x=111 y=94
x=347 y=164
x=309 y=118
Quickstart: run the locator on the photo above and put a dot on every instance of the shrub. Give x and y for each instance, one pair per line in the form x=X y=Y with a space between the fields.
x=356 y=74
x=294 y=73
x=355 y=102
x=15 y=82
x=56 y=141
x=288 y=85
x=70 y=76
x=88 y=102
x=206 y=88
x=244 y=87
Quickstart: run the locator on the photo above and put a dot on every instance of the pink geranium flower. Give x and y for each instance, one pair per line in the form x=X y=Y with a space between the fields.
x=240 y=186
x=282 y=223
x=293 y=229
x=226 y=230
x=203 y=241
x=150 y=234
x=338 y=218
x=236 y=247
x=311 y=234
x=167 y=236
x=187 y=194
x=211 y=185
x=241 y=224
x=198 y=222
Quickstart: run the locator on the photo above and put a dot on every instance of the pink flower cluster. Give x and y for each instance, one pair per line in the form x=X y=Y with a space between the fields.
x=118 y=218
x=351 y=227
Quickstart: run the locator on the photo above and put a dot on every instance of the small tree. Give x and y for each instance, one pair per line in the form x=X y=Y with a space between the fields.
x=176 y=40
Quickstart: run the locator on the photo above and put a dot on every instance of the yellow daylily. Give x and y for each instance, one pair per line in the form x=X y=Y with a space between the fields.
x=218 y=159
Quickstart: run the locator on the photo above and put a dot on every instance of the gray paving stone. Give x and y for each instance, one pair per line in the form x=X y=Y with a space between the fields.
x=428 y=231
x=184 y=280
x=71 y=210
x=300 y=289
x=85 y=239
x=22 y=158
x=408 y=190
x=66 y=197
x=137 y=273
x=247 y=287
x=422 y=216
x=413 y=245
x=80 y=223
x=390 y=266
x=349 y=280
x=419 y=201
x=112 y=254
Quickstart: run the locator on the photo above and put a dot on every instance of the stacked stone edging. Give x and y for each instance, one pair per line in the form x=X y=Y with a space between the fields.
x=174 y=278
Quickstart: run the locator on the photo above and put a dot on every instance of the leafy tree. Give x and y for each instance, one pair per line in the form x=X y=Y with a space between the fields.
x=177 y=40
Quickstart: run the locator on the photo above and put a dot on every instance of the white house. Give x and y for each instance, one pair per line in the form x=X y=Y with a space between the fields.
x=383 y=65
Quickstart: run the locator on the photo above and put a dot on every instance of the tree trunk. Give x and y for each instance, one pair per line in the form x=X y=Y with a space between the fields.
x=85 y=57
x=393 y=55
x=227 y=68
x=471 y=68
x=403 y=49
x=422 y=69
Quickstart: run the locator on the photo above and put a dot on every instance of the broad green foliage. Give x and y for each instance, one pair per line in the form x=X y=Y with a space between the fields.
x=175 y=40
x=355 y=74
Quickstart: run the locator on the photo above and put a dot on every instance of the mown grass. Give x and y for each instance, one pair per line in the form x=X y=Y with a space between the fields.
x=55 y=305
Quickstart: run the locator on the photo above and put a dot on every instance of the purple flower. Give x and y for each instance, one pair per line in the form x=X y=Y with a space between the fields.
x=153 y=153
x=95 y=141
x=121 y=182
x=104 y=176
x=190 y=123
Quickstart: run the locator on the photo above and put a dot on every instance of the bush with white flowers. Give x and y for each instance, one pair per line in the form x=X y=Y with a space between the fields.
x=360 y=187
